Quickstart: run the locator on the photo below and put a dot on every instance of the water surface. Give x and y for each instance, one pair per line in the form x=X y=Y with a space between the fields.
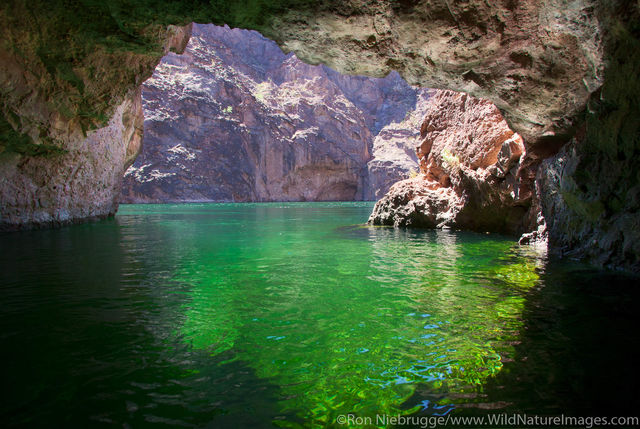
x=288 y=314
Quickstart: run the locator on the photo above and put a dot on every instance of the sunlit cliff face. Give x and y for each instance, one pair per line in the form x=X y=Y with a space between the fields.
x=235 y=119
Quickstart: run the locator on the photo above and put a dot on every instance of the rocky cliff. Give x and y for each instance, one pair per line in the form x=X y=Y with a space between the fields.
x=394 y=155
x=83 y=182
x=72 y=123
x=235 y=119
x=556 y=69
x=469 y=161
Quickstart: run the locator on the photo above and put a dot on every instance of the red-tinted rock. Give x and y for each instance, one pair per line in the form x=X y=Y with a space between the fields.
x=469 y=159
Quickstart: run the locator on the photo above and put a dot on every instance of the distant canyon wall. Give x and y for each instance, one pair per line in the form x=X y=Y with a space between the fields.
x=236 y=119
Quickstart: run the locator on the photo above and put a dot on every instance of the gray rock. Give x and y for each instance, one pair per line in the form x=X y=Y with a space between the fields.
x=235 y=119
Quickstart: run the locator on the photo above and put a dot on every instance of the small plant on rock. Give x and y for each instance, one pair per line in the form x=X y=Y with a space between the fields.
x=449 y=160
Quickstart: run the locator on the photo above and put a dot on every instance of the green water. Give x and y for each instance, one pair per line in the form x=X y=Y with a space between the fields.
x=263 y=315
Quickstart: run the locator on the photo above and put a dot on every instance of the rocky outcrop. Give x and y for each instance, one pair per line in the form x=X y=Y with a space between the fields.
x=552 y=67
x=469 y=160
x=606 y=230
x=235 y=119
x=537 y=61
x=72 y=150
x=81 y=183
x=590 y=191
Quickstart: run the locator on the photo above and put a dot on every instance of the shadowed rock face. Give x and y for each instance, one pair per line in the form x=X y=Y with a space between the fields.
x=235 y=119
x=68 y=133
x=81 y=183
x=556 y=70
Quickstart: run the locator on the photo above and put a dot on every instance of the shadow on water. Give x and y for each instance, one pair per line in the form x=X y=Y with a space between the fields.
x=87 y=334
x=576 y=353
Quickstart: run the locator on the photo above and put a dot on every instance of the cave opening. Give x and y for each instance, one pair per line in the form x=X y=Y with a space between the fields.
x=234 y=119
x=255 y=315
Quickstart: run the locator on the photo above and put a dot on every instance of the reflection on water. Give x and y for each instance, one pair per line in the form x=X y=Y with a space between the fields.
x=262 y=314
x=351 y=320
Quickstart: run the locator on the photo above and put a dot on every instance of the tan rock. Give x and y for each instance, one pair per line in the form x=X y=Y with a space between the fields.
x=82 y=183
x=468 y=159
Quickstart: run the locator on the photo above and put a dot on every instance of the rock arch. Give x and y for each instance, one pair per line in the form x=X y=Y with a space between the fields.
x=559 y=71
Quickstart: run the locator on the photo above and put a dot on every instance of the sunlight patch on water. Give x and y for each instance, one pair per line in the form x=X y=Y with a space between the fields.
x=353 y=320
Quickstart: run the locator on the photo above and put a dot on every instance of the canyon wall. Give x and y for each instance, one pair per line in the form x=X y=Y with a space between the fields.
x=557 y=70
x=235 y=119
x=394 y=156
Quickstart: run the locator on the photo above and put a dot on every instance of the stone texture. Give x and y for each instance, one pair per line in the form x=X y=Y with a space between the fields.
x=235 y=119
x=591 y=190
x=552 y=67
x=537 y=61
x=79 y=174
x=577 y=227
x=79 y=184
x=394 y=155
x=469 y=160
x=414 y=202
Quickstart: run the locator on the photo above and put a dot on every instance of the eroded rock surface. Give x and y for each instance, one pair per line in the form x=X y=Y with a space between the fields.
x=607 y=231
x=81 y=183
x=394 y=154
x=469 y=160
x=552 y=67
x=235 y=119
x=68 y=133
x=537 y=61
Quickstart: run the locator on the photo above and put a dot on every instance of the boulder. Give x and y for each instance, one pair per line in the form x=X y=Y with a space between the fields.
x=469 y=160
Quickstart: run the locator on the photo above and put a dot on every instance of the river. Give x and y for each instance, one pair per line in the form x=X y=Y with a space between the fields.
x=295 y=314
